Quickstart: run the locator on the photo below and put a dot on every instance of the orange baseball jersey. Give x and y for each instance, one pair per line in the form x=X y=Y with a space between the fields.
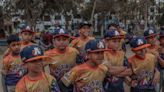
x=115 y=59
x=63 y=62
x=143 y=70
x=79 y=43
x=153 y=50
x=44 y=83
x=85 y=78
x=12 y=65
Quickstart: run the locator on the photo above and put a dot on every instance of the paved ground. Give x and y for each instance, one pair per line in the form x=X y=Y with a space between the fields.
x=3 y=48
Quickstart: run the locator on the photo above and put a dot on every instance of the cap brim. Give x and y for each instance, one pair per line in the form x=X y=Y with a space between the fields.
x=141 y=47
x=27 y=31
x=117 y=37
x=161 y=35
x=99 y=50
x=45 y=58
x=152 y=35
x=72 y=37
x=85 y=25
x=61 y=35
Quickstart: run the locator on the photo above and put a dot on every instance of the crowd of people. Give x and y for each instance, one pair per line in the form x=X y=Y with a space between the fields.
x=63 y=63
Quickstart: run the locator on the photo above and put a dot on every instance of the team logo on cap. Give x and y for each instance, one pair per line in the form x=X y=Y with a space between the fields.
x=116 y=33
x=100 y=45
x=28 y=28
x=140 y=42
x=36 y=51
x=61 y=31
x=24 y=58
x=151 y=31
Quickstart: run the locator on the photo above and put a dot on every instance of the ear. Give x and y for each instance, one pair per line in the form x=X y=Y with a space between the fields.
x=25 y=65
x=53 y=41
x=88 y=55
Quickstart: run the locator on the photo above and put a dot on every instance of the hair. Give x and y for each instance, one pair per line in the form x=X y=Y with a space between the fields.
x=112 y=24
x=13 y=38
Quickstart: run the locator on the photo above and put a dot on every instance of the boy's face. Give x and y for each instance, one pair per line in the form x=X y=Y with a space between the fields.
x=151 y=40
x=96 y=57
x=27 y=36
x=141 y=52
x=35 y=66
x=15 y=47
x=85 y=30
x=61 y=42
x=161 y=41
x=113 y=43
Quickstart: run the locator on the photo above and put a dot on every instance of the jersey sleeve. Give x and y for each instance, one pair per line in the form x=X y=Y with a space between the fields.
x=69 y=77
x=54 y=86
x=74 y=43
x=5 y=64
x=103 y=67
x=126 y=63
x=20 y=87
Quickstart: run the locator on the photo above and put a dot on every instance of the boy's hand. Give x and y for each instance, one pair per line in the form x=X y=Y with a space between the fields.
x=134 y=83
x=3 y=72
x=160 y=59
x=155 y=81
x=156 y=77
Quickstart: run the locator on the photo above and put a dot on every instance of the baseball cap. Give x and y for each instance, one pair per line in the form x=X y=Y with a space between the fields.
x=27 y=29
x=31 y=53
x=113 y=34
x=60 y=32
x=161 y=34
x=84 y=23
x=138 y=43
x=95 y=46
x=150 y=32
x=13 y=38
x=114 y=23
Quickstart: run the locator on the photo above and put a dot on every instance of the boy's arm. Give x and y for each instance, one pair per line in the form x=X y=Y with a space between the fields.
x=69 y=77
x=64 y=88
x=156 y=77
x=114 y=70
x=20 y=87
x=128 y=70
x=54 y=86
x=4 y=66
x=7 y=52
x=161 y=61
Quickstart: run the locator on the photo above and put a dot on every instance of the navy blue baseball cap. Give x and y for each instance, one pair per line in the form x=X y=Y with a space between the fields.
x=138 y=43
x=32 y=53
x=161 y=34
x=150 y=32
x=60 y=32
x=113 y=34
x=114 y=23
x=95 y=46
x=84 y=23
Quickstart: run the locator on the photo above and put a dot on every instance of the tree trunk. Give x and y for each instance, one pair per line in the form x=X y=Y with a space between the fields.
x=93 y=11
x=1 y=18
